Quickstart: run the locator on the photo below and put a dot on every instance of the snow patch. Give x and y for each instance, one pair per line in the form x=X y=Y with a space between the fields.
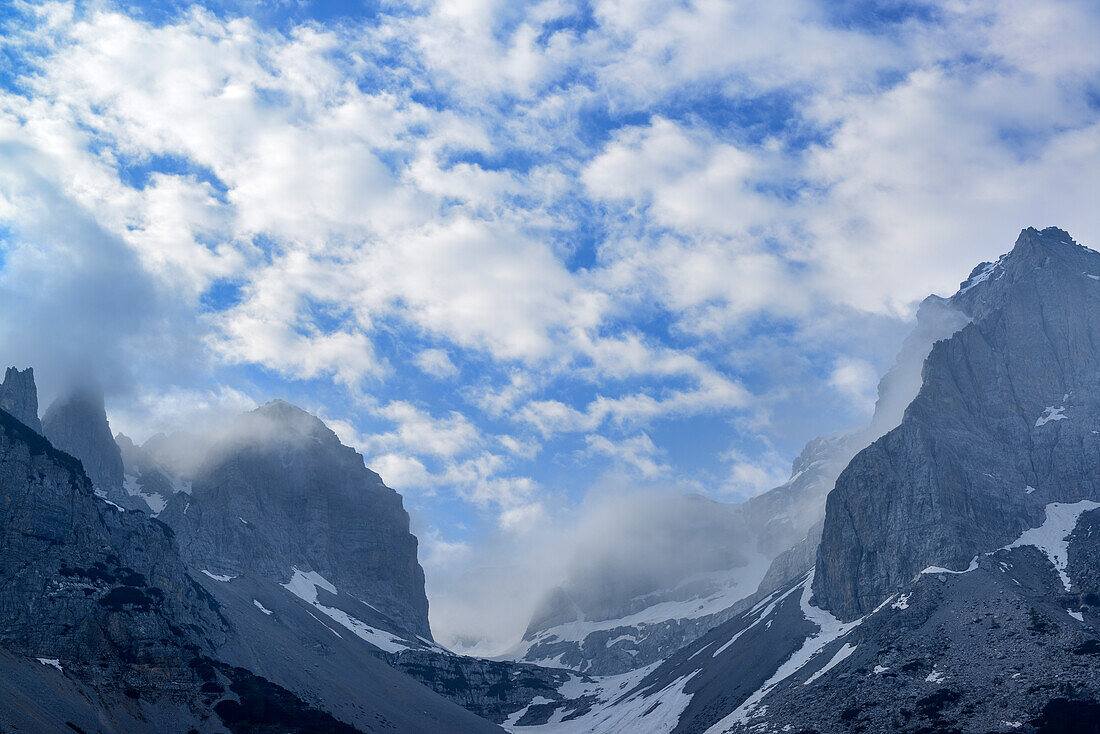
x=829 y=629
x=936 y=676
x=612 y=714
x=155 y=501
x=218 y=576
x=518 y=714
x=841 y=654
x=729 y=587
x=941 y=569
x=103 y=496
x=1051 y=536
x=981 y=277
x=1076 y=615
x=763 y=615
x=304 y=585
x=1028 y=489
x=261 y=607
x=620 y=638
x=902 y=602
x=51 y=662
x=1051 y=414
x=880 y=669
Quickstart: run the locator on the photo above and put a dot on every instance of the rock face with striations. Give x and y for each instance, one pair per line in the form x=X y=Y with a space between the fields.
x=77 y=424
x=279 y=493
x=1007 y=421
x=19 y=397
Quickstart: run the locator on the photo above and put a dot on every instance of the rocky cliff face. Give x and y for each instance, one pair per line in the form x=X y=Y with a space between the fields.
x=280 y=492
x=77 y=424
x=1006 y=422
x=19 y=397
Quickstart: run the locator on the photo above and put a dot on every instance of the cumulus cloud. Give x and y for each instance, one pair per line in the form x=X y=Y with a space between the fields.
x=436 y=362
x=603 y=216
x=854 y=379
x=636 y=454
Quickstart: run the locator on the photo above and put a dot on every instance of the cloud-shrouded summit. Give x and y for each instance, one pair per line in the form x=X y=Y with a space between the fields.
x=513 y=252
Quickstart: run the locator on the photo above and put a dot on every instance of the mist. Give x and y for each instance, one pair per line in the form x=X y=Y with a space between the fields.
x=82 y=309
x=625 y=541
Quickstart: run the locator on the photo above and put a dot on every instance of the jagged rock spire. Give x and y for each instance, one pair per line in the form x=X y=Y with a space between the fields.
x=19 y=397
x=77 y=424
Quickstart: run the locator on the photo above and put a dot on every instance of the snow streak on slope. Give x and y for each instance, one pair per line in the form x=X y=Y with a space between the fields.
x=829 y=629
x=732 y=587
x=638 y=712
x=304 y=585
x=1051 y=537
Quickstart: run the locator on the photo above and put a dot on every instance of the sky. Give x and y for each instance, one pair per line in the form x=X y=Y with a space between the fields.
x=519 y=252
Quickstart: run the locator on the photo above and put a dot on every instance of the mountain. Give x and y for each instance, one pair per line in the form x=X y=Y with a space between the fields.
x=104 y=628
x=76 y=423
x=280 y=498
x=955 y=585
x=290 y=532
x=688 y=564
x=19 y=397
x=1006 y=423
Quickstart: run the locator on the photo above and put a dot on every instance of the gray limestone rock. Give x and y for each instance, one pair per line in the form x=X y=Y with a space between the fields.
x=19 y=397
x=1007 y=420
x=102 y=628
x=77 y=424
x=280 y=492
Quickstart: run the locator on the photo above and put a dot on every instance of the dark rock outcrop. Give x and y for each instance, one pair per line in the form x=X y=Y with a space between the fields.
x=19 y=397
x=1007 y=421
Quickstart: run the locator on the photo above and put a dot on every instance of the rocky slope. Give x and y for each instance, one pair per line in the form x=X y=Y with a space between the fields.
x=101 y=599
x=279 y=494
x=100 y=617
x=77 y=424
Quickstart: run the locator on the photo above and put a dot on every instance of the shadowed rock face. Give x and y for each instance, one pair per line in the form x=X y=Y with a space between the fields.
x=77 y=424
x=1007 y=421
x=281 y=492
x=19 y=397
x=86 y=584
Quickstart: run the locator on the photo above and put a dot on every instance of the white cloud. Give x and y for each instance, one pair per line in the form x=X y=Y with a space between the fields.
x=522 y=517
x=436 y=362
x=637 y=453
x=420 y=432
x=610 y=279
x=748 y=477
x=856 y=380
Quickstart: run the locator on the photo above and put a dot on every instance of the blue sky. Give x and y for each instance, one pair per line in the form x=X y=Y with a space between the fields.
x=515 y=252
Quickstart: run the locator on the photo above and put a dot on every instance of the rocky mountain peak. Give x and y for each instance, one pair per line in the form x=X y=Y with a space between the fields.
x=19 y=397
x=77 y=424
x=278 y=491
x=1005 y=423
